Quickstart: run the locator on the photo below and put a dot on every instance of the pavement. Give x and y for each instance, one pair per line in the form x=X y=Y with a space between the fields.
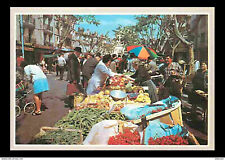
x=28 y=126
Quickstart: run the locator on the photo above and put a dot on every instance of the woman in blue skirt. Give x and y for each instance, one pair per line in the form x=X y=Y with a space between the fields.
x=40 y=84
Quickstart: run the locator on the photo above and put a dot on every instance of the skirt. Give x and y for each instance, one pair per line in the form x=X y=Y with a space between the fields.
x=40 y=85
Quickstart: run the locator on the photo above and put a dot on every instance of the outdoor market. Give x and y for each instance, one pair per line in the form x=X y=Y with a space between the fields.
x=140 y=97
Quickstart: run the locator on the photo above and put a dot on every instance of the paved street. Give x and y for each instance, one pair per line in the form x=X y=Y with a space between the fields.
x=27 y=125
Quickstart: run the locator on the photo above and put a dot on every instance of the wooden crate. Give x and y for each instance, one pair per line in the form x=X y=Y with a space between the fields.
x=44 y=130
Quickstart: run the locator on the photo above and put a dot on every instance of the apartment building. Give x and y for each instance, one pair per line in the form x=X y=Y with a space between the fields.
x=41 y=35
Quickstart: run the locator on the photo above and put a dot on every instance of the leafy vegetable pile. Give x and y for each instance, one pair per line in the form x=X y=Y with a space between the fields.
x=83 y=120
x=59 y=137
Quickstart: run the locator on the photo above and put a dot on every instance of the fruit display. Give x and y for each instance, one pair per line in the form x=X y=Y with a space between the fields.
x=78 y=98
x=118 y=82
x=118 y=105
x=100 y=101
x=141 y=98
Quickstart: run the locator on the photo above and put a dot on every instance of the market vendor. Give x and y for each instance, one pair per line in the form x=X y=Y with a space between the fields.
x=142 y=78
x=101 y=72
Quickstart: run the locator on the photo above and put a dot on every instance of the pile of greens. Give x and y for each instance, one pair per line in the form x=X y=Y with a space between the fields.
x=83 y=120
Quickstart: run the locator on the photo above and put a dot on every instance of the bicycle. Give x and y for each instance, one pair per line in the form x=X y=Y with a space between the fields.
x=21 y=102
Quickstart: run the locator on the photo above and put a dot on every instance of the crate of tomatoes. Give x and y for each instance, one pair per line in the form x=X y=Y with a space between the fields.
x=157 y=133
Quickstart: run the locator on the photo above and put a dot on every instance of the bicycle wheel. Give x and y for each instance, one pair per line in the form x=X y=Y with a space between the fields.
x=29 y=107
x=18 y=111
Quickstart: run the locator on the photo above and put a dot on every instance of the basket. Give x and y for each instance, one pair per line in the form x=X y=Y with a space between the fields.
x=45 y=130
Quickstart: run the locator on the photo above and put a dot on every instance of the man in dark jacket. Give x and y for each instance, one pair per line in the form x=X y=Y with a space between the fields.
x=88 y=68
x=74 y=70
x=74 y=66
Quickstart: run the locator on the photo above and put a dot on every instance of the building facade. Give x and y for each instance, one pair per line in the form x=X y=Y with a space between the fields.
x=41 y=35
x=199 y=30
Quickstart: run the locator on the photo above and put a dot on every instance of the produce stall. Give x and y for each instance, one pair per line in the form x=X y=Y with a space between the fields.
x=122 y=114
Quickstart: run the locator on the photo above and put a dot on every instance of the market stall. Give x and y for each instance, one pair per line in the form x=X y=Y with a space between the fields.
x=121 y=113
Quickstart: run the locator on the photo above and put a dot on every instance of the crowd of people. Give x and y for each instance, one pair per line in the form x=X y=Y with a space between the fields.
x=88 y=73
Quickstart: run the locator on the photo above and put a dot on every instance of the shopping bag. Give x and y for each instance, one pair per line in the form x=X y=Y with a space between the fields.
x=72 y=88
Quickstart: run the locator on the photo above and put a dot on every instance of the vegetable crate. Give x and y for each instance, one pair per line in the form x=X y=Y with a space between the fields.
x=190 y=139
x=54 y=135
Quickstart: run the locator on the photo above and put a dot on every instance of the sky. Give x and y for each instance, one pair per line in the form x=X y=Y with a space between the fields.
x=108 y=23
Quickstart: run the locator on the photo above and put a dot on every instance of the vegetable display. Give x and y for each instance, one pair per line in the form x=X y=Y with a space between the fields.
x=59 y=137
x=168 y=140
x=84 y=119
x=126 y=138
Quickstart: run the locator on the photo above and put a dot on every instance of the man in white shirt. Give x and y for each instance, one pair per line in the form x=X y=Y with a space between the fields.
x=61 y=63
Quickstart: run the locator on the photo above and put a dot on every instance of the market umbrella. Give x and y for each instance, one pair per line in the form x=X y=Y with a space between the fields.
x=142 y=52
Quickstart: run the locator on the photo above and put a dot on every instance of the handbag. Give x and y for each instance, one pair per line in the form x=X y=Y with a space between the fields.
x=72 y=88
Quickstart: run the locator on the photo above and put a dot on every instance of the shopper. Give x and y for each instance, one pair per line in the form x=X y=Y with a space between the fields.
x=61 y=64
x=113 y=63
x=19 y=59
x=170 y=65
x=40 y=84
x=122 y=66
x=88 y=68
x=200 y=80
x=74 y=70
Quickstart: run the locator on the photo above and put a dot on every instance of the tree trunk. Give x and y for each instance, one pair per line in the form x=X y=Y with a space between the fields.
x=191 y=59
x=174 y=47
x=189 y=44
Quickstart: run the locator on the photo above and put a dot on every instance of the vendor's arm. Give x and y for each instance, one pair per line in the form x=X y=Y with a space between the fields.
x=128 y=77
x=107 y=71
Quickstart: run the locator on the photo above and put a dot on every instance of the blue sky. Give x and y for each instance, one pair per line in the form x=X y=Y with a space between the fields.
x=108 y=23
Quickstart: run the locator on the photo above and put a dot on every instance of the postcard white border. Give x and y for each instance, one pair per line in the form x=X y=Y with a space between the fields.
x=210 y=11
